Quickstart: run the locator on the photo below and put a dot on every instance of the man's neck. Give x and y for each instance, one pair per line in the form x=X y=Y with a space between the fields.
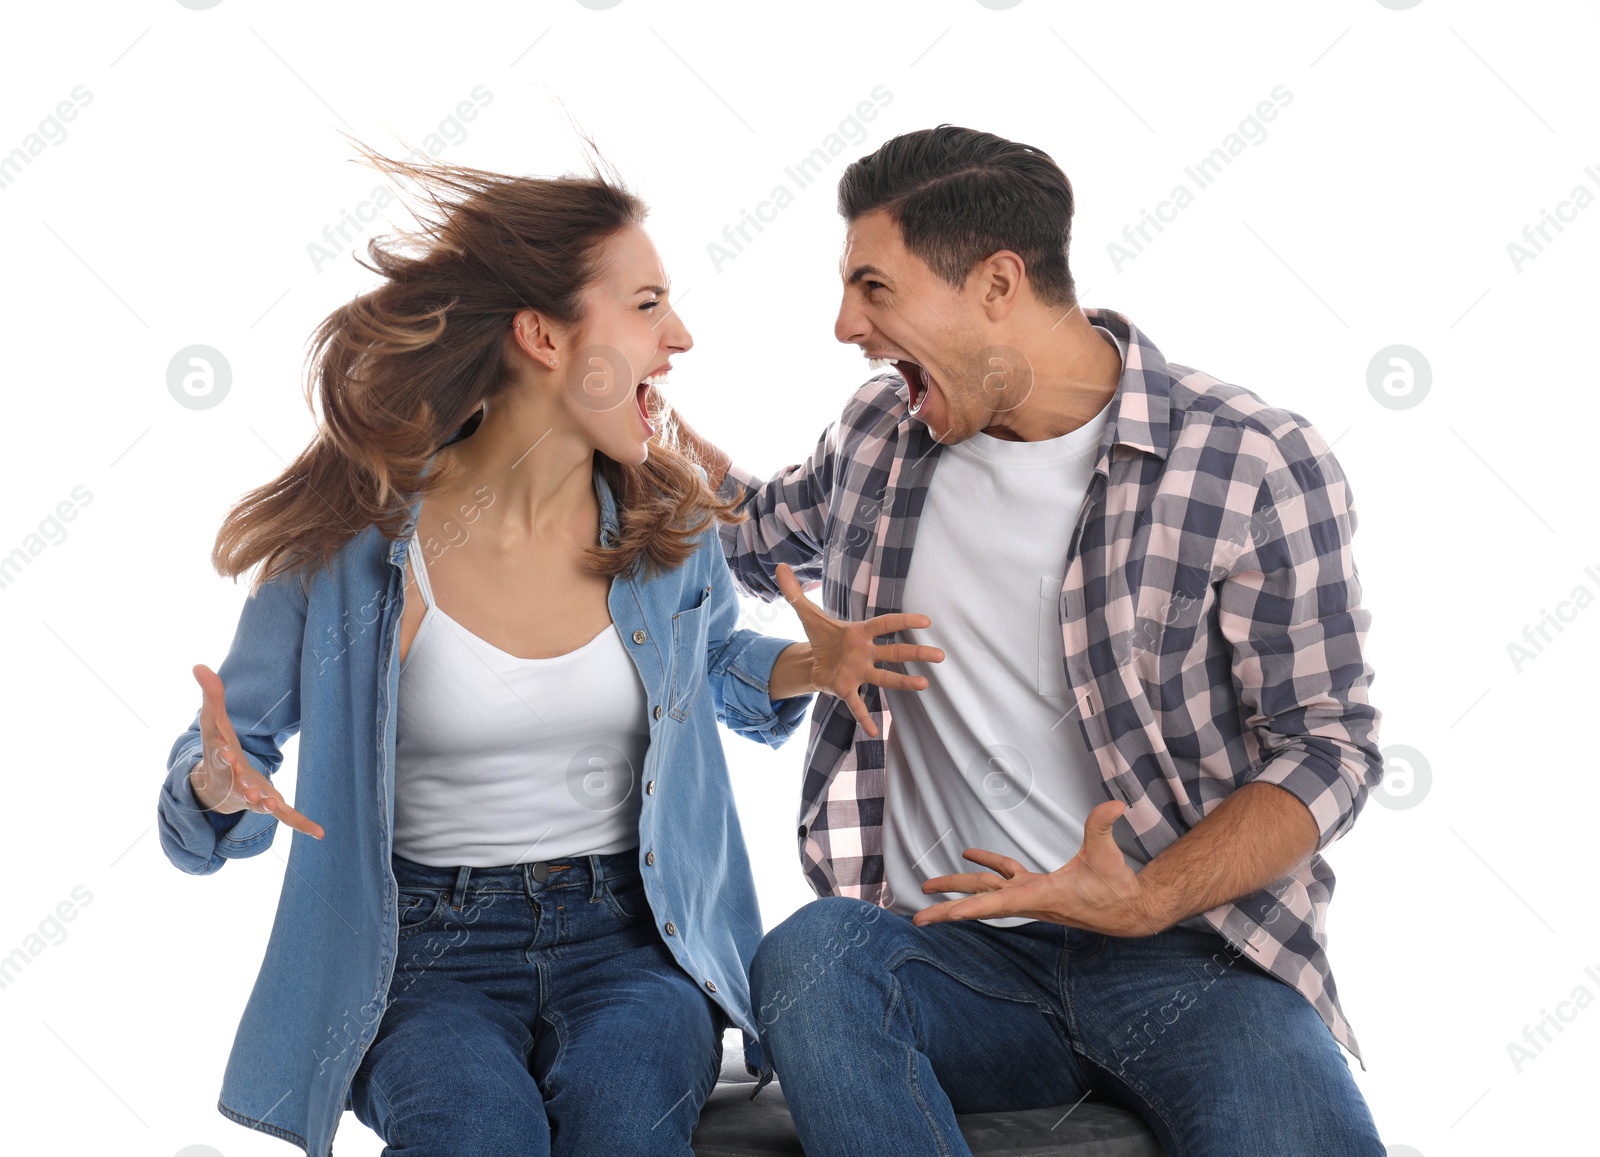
x=1075 y=373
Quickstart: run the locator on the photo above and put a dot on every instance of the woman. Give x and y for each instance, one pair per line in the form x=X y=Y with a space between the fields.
x=493 y=602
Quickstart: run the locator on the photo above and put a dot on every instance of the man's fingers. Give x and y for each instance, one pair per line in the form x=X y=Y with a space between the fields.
x=1000 y=902
x=1102 y=817
x=969 y=882
x=1005 y=865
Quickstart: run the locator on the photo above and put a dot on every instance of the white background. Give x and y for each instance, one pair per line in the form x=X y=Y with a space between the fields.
x=1377 y=210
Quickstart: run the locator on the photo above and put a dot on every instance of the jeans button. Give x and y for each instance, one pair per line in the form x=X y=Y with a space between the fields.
x=657 y=711
x=711 y=986
x=650 y=788
x=639 y=636
x=672 y=929
x=649 y=859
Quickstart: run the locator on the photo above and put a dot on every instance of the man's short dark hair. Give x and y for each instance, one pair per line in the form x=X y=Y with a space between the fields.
x=960 y=195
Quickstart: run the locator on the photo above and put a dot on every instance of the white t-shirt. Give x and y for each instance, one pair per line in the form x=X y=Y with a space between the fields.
x=989 y=755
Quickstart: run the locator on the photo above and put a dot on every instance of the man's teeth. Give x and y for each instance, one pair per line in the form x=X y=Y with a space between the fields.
x=656 y=379
x=880 y=363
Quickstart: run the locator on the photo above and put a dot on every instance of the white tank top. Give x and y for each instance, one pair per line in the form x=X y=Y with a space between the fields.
x=504 y=760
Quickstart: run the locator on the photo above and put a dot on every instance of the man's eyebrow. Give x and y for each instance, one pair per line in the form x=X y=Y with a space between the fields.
x=861 y=271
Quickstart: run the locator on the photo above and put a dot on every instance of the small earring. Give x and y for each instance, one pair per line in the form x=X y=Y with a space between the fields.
x=552 y=363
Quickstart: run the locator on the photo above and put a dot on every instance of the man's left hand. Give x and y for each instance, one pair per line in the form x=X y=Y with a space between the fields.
x=1095 y=890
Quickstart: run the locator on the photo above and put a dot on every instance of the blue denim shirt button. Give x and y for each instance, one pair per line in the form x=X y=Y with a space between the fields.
x=639 y=636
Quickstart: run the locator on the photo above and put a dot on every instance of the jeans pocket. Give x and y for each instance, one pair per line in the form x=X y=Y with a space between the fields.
x=625 y=897
x=421 y=910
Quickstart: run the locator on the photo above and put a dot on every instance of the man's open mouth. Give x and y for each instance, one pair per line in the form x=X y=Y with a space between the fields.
x=916 y=378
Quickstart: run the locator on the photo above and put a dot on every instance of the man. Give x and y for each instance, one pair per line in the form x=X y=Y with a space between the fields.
x=1142 y=583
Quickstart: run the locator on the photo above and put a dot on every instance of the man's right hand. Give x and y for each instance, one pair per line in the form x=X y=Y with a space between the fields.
x=223 y=780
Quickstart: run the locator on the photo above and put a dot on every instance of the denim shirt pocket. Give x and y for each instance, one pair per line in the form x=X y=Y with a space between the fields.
x=689 y=629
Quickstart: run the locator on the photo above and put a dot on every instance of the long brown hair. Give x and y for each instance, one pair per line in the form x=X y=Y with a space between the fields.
x=400 y=368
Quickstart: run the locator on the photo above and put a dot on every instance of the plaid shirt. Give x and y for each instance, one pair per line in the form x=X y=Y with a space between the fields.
x=1210 y=612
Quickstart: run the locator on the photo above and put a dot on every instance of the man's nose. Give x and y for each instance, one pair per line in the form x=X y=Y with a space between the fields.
x=849 y=327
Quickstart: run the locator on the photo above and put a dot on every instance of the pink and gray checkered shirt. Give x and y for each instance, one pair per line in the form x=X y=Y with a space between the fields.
x=1211 y=614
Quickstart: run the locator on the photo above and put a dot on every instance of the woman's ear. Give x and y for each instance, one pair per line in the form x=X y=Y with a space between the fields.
x=536 y=337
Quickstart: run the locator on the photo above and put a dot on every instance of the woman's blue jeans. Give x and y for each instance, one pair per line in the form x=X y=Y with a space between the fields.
x=536 y=1017
x=881 y=1032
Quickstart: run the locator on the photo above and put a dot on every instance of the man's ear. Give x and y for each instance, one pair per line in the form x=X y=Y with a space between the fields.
x=1000 y=280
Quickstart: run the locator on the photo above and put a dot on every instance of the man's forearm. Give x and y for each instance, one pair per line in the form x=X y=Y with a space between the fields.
x=1255 y=836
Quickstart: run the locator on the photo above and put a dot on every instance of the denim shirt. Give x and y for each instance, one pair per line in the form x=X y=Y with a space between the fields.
x=320 y=655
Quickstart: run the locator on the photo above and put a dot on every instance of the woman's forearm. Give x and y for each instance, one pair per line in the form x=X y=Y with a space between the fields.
x=791 y=674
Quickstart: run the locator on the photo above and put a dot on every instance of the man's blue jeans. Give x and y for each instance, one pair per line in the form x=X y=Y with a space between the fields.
x=536 y=1017
x=881 y=1032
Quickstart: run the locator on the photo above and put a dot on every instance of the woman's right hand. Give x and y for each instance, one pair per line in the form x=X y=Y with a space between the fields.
x=223 y=780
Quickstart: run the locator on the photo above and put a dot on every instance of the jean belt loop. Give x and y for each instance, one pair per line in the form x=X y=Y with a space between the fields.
x=459 y=897
x=596 y=876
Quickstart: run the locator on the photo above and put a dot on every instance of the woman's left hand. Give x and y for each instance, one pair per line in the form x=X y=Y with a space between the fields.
x=844 y=656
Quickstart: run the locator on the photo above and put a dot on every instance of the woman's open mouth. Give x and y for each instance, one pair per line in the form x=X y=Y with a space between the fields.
x=642 y=396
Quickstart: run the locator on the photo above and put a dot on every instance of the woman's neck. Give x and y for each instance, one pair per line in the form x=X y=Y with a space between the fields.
x=524 y=476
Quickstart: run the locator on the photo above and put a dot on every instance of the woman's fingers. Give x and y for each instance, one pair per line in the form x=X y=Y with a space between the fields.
x=260 y=796
x=863 y=716
x=896 y=681
x=247 y=789
x=212 y=710
x=216 y=729
x=908 y=653
x=789 y=587
x=889 y=624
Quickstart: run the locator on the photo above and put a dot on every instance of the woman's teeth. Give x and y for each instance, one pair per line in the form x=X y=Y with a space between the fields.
x=656 y=379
